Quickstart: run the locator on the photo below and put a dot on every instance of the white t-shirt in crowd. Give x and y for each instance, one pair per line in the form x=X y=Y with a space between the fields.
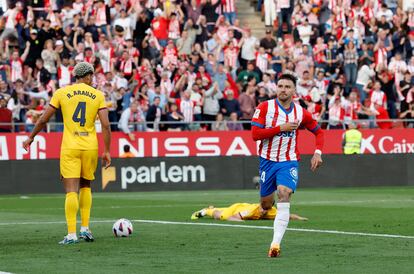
x=248 y=49
x=305 y=33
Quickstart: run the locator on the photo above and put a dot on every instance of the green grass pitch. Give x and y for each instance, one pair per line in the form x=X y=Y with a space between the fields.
x=28 y=243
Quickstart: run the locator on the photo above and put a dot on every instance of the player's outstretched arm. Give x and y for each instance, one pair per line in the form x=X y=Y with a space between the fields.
x=106 y=131
x=40 y=124
x=235 y=218
x=297 y=217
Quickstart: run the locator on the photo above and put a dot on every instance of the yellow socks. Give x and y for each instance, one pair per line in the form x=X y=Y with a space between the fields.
x=85 y=203
x=71 y=210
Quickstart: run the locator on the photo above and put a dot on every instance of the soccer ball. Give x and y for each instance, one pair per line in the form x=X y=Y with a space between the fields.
x=122 y=228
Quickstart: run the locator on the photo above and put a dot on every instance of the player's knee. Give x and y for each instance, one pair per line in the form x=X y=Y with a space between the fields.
x=84 y=183
x=284 y=195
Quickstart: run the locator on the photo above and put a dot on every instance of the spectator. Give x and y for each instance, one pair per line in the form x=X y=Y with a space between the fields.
x=50 y=57
x=247 y=105
x=12 y=16
x=127 y=152
x=230 y=105
x=268 y=42
x=220 y=124
x=336 y=114
x=284 y=16
x=154 y=115
x=262 y=96
x=132 y=119
x=5 y=115
x=364 y=76
x=351 y=66
x=245 y=75
x=211 y=103
x=234 y=124
x=175 y=116
x=382 y=115
x=248 y=48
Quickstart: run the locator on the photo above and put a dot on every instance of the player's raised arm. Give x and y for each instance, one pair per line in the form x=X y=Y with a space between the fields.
x=106 y=131
x=312 y=125
x=40 y=124
x=259 y=130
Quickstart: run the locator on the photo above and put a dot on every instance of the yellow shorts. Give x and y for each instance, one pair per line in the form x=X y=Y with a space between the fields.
x=231 y=210
x=76 y=163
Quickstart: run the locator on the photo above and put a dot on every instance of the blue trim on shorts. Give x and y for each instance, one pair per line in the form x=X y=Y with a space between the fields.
x=273 y=174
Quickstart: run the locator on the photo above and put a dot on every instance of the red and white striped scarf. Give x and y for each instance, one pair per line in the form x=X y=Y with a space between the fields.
x=106 y=62
x=262 y=61
x=230 y=57
x=101 y=16
x=64 y=75
x=335 y=114
x=135 y=116
x=126 y=66
x=174 y=29
x=16 y=68
x=381 y=57
x=378 y=97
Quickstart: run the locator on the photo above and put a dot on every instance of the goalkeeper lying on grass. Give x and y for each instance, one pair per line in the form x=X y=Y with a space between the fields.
x=240 y=212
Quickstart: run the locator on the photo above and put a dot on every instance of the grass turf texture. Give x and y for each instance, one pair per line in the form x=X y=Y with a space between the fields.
x=173 y=248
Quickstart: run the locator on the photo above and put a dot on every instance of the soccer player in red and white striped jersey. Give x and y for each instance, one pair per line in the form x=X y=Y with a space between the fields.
x=274 y=124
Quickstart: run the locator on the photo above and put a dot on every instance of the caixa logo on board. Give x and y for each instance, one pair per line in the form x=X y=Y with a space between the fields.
x=386 y=144
x=156 y=174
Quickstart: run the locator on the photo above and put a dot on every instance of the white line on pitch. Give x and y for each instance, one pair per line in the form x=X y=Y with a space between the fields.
x=227 y=225
x=351 y=202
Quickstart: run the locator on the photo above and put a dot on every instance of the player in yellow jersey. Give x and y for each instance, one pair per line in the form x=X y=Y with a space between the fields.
x=80 y=104
x=240 y=212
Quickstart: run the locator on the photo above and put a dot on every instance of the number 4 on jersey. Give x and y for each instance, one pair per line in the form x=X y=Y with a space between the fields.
x=79 y=114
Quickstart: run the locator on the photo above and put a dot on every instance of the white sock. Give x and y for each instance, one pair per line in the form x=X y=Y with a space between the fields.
x=72 y=236
x=203 y=212
x=281 y=222
x=84 y=228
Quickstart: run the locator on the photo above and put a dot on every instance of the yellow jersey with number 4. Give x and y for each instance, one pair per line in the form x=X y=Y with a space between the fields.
x=79 y=104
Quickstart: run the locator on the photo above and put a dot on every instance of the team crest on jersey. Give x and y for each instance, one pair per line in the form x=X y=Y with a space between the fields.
x=294 y=172
x=256 y=114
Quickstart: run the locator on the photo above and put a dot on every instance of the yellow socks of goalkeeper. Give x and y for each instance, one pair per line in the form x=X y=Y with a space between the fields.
x=85 y=204
x=71 y=210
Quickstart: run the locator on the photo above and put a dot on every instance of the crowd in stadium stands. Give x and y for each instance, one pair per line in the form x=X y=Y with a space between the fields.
x=192 y=60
